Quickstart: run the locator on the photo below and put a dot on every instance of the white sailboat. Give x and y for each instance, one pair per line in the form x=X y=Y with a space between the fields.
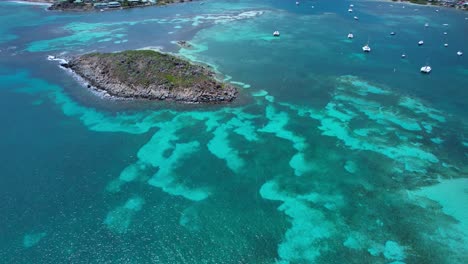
x=426 y=69
x=366 y=48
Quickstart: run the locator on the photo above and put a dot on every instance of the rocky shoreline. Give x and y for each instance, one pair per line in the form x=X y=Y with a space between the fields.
x=151 y=75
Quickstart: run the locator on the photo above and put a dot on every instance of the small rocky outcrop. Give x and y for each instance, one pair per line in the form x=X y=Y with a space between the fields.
x=151 y=75
x=184 y=44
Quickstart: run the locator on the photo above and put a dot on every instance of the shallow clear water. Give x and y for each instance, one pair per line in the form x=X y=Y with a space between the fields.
x=329 y=156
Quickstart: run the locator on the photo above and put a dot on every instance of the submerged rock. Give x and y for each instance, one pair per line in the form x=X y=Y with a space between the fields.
x=30 y=240
x=151 y=75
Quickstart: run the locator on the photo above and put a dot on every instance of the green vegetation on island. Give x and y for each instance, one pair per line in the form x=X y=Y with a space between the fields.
x=151 y=75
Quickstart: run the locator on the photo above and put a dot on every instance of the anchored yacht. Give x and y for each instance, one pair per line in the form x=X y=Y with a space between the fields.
x=426 y=69
x=366 y=48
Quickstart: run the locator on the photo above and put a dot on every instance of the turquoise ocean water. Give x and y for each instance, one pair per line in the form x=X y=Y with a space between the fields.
x=330 y=155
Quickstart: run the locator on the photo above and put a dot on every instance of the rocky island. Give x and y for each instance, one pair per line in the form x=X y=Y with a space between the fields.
x=147 y=74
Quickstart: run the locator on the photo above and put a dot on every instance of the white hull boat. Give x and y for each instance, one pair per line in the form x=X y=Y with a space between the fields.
x=426 y=69
x=366 y=48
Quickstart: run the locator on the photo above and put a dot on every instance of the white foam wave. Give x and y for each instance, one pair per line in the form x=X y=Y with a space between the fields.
x=53 y=58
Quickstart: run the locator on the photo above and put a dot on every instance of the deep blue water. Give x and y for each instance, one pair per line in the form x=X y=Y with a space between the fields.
x=329 y=156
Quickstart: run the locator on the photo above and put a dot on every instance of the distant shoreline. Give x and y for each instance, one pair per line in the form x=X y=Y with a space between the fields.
x=33 y=2
x=433 y=4
x=54 y=5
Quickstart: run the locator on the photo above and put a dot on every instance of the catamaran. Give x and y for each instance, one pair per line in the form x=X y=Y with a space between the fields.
x=366 y=48
x=426 y=69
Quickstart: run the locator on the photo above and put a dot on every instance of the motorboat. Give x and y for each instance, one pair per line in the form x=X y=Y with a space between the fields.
x=459 y=53
x=445 y=45
x=350 y=35
x=403 y=56
x=420 y=43
x=445 y=33
x=350 y=10
x=276 y=33
x=426 y=69
x=356 y=18
x=392 y=33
